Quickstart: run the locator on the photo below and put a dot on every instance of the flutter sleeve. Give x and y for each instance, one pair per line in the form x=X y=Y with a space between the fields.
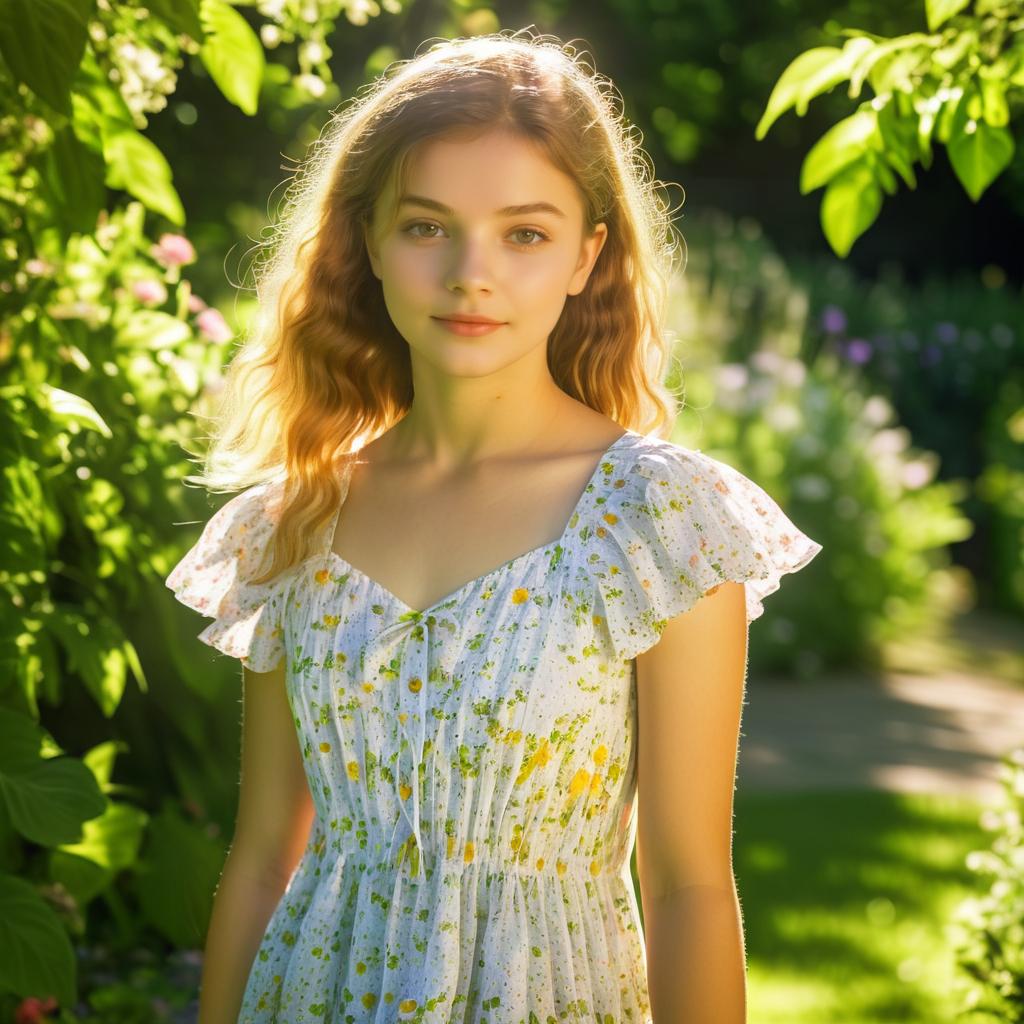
x=689 y=524
x=213 y=579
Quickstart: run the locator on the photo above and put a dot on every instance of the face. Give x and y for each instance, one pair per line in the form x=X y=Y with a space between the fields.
x=452 y=245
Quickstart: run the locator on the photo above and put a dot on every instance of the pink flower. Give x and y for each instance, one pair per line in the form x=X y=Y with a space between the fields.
x=150 y=292
x=33 y=1011
x=195 y=304
x=213 y=325
x=174 y=250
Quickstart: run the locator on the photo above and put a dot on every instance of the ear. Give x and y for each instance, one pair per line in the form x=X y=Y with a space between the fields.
x=589 y=251
x=371 y=250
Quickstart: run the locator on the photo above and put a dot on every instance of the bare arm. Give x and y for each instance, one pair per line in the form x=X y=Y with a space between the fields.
x=690 y=696
x=275 y=811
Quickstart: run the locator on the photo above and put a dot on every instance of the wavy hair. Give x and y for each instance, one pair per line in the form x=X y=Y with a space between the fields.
x=323 y=369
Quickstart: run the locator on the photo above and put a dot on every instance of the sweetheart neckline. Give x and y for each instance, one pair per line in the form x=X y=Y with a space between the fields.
x=455 y=594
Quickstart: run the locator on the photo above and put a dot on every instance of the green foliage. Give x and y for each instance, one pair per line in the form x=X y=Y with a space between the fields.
x=988 y=928
x=954 y=84
x=104 y=352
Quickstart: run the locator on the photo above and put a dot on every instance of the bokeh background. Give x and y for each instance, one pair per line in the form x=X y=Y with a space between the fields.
x=848 y=333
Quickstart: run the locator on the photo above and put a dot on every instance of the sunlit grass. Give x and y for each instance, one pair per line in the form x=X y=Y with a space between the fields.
x=849 y=922
x=846 y=901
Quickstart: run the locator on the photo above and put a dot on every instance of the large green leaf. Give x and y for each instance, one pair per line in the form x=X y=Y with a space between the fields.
x=22 y=743
x=95 y=649
x=42 y=42
x=177 y=877
x=36 y=956
x=72 y=176
x=812 y=73
x=151 y=328
x=181 y=15
x=838 y=147
x=109 y=844
x=49 y=803
x=979 y=154
x=232 y=53
x=136 y=165
x=850 y=205
x=67 y=407
x=940 y=11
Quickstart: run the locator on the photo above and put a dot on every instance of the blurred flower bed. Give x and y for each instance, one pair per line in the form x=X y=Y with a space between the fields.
x=885 y=419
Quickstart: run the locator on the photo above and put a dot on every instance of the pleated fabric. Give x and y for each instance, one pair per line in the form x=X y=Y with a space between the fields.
x=473 y=764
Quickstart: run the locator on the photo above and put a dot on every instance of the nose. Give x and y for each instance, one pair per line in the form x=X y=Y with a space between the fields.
x=470 y=267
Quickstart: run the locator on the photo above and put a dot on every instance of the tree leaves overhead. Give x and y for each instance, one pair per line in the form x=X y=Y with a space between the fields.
x=42 y=42
x=233 y=54
x=952 y=85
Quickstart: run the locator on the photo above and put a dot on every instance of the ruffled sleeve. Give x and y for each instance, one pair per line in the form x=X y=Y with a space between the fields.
x=686 y=523
x=213 y=579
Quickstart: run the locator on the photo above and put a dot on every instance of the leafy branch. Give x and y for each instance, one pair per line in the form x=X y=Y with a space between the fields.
x=955 y=85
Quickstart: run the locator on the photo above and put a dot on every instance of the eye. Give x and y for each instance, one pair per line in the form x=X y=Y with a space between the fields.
x=531 y=231
x=420 y=224
x=539 y=236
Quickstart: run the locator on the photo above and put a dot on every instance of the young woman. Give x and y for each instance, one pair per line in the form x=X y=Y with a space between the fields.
x=481 y=602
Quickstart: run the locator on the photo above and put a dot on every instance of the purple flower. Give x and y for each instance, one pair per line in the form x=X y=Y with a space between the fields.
x=213 y=326
x=946 y=332
x=858 y=351
x=833 y=319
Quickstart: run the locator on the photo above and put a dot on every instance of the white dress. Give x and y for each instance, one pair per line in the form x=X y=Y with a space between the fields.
x=472 y=764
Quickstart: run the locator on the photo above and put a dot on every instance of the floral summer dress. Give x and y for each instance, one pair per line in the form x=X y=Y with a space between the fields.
x=472 y=764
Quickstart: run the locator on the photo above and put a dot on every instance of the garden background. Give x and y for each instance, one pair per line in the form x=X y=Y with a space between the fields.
x=849 y=334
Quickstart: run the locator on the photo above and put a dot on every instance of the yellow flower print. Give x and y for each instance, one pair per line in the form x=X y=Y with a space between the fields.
x=561 y=867
x=367 y=687
x=595 y=867
x=595 y=783
x=470 y=850
x=601 y=755
x=402 y=716
x=598 y=619
x=646 y=584
x=451 y=845
x=580 y=781
x=540 y=863
x=519 y=595
x=360 y=967
x=513 y=736
x=353 y=770
x=601 y=531
x=331 y=620
x=369 y=1000
x=415 y=684
x=610 y=518
x=404 y=790
x=325 y=747
x=619 y=483
x=322 y=576
x=407 y=1005
x=540 y=756
x=614 y=570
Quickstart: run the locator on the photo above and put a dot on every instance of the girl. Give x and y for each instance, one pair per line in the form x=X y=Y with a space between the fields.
x=467 y=573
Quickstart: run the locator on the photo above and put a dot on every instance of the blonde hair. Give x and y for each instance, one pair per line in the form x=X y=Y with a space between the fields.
x=324 y=366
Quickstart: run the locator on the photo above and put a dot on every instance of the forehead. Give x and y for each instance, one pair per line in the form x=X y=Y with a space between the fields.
x=479 y=176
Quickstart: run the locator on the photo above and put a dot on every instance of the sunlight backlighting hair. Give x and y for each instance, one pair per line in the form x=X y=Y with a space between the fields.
x=324 y=370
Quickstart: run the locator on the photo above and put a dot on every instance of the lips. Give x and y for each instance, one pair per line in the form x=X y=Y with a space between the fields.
x=469 y=320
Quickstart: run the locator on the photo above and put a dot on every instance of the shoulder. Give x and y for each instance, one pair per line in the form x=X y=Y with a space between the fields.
x=670 y=524
x=230 y=547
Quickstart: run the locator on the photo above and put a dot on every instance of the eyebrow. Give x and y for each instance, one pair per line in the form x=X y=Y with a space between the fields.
x=506 y=211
